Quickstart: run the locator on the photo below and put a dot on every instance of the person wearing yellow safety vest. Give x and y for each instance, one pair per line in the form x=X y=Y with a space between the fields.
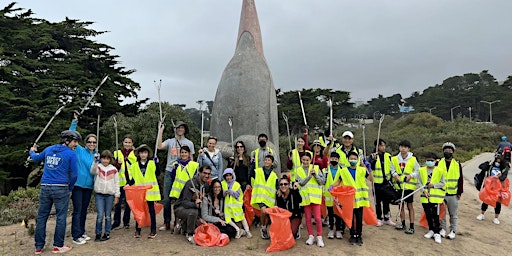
x=432 y=181
x=296 y=154
x=265 y=183
x=346 y=147
x=405 y=170
x=258 y=155
x=233 y=211
x=453 y=187
x=125 y=157
x=144 y=172
x=333 y=174
x=381 y=166
x=311 y=180
x=355 y=176
x=184 y=169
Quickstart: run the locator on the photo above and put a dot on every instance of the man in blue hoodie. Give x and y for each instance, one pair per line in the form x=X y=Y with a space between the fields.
x=59 y=176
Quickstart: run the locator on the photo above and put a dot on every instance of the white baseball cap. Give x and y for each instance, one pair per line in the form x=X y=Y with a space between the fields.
x=348 y=133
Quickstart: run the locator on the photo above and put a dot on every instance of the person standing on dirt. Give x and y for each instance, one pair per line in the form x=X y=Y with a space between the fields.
x=59 y=177
x=82 y=191
x=125 y=158
x=381 y=166
x=454 y=188
x=499 y=168
x=173 y=147
x=296 y=154
x=432 y=180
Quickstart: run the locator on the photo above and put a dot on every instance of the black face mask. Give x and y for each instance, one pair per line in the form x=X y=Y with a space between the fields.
x=448 y=155
x=334 y=163
x=262 y=143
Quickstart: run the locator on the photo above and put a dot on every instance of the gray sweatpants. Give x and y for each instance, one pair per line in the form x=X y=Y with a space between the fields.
x=452 y=205
x=189 y=217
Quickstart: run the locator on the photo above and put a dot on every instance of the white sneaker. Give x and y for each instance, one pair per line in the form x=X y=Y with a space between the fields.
x=191 y=240
x=248 y=234
x=86 y=237
x=389 y=222
x=437 y=238
x=310 y=240
x=339 y=235
x=238 y=233
x=79 y=241
x=451 y=235
x=496 y=221
x=320 y=241
x=480 y=217
x=379 y=223
x=429 y=235
x=442 y=233
x=330 y=235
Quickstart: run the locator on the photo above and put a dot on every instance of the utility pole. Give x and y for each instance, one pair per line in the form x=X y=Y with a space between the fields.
x=451 y=111
x=490 y=107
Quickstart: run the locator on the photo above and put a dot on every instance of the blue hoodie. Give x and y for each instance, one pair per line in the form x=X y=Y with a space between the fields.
x=85 y=160
x=60 y=165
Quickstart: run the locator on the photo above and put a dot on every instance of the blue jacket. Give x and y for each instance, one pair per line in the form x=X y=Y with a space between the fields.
x=85 y=159
x=60 y=165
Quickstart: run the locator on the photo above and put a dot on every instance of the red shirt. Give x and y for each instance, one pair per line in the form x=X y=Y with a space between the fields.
x=322 y=162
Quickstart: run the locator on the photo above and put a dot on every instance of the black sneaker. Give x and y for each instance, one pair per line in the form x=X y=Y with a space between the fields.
x=98 y=238
x=410 y=231
x=105 y=237
x=126 y=226
x=352 y=240
x=115 y=227
x=359 y=241
x=399 y=227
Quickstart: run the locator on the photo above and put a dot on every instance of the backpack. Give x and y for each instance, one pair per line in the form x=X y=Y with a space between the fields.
x=478 y=179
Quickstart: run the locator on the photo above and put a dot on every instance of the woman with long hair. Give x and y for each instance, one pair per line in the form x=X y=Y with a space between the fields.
x=240 y=162
x=212 y=209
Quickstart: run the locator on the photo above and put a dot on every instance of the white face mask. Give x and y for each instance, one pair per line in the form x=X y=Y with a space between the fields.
x=430 y=163
x=497 y=164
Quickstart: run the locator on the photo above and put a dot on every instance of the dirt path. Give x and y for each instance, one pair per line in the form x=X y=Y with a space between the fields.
x=473 y=237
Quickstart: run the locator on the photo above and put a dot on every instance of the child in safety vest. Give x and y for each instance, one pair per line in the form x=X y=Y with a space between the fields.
x=184 y=169
x=144 y=172
x=332 y=174
x=355 y=176
x=432 y=181
x=311 y=181
x=233 y=200
x=404 y=168
x=265 y=184
x=106 y=186
x=124 y=157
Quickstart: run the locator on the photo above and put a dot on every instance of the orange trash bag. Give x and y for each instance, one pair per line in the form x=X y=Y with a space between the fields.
x=223 y=240
x=504 y=195
x=207 y=235
x=344 y=203
x=281 y=237
x=423 y=219
x=369 y=216
x=136 y=199
x=490 y=192
x=249 y=211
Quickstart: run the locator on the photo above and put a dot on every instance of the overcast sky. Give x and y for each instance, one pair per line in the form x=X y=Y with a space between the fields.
x=364 y=47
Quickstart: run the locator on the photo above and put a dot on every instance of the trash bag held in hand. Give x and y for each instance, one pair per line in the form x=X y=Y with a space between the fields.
x=504 y=195
x=369 y=216
x=136 y=199
x=249 y=211
x=281 y=237
x=490 y=192
x=344 y=203
x=207 y=235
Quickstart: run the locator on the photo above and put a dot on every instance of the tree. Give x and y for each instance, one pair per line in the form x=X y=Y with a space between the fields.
x=44 y=65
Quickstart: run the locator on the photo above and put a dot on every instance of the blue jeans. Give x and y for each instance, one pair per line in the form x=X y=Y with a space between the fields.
x=117 y=211
x=48 y=196
x=167 y=201
x=104 y=209
x=81 y=198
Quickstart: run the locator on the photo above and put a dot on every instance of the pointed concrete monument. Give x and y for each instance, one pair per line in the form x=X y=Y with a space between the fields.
x=246 y=91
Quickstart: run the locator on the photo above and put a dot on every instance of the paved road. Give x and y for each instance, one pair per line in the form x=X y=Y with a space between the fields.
x=470 y=168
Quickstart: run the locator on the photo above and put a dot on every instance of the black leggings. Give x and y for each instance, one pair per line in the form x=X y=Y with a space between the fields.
x=385 y=206
x=432 y=214
x=357 y=222
x=334 y=219
x=497 y=210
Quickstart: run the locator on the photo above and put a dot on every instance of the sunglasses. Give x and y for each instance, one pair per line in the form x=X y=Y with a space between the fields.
x=284 y=184
x=91 y=142
x=239 y=146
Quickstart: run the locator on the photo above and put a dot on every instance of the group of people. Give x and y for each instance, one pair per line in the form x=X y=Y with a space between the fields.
x=203 y=191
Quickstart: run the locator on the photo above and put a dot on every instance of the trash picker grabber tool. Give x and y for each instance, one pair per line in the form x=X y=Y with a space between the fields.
x=158 y=136
x=230 y=122
x=98 y=134
x=288 y=130
x=303 y=113
x=400 y=204
x=330 y=117
x=92 y=96
x=414 y=192
x=202 y=122
x=117 y=138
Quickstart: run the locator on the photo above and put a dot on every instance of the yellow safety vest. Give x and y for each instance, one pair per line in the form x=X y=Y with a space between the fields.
x=409 y=169
x=149 y=178
x=378 y=175
x=182 y=176
x=256 y=154
x=311 y=192
x=361 y=197
x=264 y=191
x=436 y=194
x=452 y=176
x=131 y=158
x=343 y=157
x=296 y=163
x=232 y=206
x=328 y=182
